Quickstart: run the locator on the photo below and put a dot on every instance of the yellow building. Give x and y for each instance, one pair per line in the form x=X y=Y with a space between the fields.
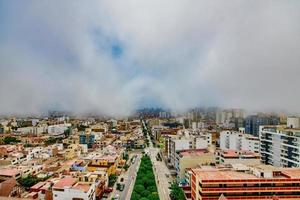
x=73 y=151
x=107 y=162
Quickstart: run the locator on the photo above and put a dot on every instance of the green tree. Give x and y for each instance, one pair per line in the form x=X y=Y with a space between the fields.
x=145 y=184
x=10 y=140
x=52 y=140
x=139 y=188
x=135 y=196
x=125 y=156
x=152 y=188
x=28 y=181
x=153 y=197
x=112 y=180
x=145 y=193
x=176 y=192
x=67 y=132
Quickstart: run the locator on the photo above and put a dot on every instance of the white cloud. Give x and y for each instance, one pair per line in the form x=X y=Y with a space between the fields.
x=179 y=53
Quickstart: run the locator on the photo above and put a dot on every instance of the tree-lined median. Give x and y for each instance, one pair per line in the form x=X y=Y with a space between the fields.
x=145 y=185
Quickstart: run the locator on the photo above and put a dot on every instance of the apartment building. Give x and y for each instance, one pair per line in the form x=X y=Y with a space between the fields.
x=190 y=159
x=253 y=122
x=232 y=157
x=178 y=143
x=280 y=145
x=225 y=116
x=244 y=182
x=239 y=141
x=58 y=129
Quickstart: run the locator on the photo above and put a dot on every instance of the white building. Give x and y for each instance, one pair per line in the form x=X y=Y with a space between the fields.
x=187 y=142
x=233 y=157
x=238 y=141
x=69 y=188
x=280 y=145
x=58 y=129
x=32 y=130
x=224 y=116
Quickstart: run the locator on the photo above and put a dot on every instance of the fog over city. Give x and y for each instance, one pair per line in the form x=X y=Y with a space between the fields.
x=113 y=57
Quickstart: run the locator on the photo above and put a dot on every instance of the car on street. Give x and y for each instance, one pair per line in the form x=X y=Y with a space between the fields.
x=108 y=190
x=120 y=186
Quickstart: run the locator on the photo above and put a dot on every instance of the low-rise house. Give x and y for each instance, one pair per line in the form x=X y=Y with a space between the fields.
x=10 y=188
x=70 y=188
x=8 y=173
x=109 y=162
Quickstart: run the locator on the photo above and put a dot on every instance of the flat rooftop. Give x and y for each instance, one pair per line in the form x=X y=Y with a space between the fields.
x=38 y=185
x=198 y=152
x=65 y=182
x=238 y=154
x=9 y=172
x=82 y=186
x=215 y=174
x=222 y=175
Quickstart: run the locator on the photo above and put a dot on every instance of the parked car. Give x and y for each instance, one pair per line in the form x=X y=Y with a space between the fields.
x=120 y=186
x=108 y=190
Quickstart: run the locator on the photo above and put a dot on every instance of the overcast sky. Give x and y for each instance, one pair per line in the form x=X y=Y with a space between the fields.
x=112 y=57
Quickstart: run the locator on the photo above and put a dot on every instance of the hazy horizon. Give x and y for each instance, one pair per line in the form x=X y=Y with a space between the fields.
x=114 y=57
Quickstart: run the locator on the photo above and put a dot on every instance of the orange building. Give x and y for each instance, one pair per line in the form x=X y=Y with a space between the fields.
x=243 y=182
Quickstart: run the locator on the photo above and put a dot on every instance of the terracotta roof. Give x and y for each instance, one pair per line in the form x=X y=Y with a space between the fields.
x=7 y=186
x=198 y=152
x=65 y=182
x=82 y=187
x=38 y=185
x=291 y=172
x=9 y=172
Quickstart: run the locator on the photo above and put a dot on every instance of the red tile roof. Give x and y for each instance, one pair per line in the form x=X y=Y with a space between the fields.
x=65 y=182
x=9 y=172
x=82 y=187
x=38 y=185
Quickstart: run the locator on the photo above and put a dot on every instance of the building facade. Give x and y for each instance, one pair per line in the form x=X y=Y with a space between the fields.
x=243 y=182
x=238 y=141
x=253 y=122
x=280 y=146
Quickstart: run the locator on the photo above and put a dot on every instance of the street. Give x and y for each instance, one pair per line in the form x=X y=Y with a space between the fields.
x=161 y=172
x=129 y=180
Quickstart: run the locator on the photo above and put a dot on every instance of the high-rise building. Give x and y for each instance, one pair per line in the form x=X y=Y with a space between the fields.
x=253 y=122
x=238 y=141
x=280 y=145
x=225 y=116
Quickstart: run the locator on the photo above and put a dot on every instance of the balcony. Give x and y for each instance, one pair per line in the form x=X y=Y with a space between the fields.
x=249 y=189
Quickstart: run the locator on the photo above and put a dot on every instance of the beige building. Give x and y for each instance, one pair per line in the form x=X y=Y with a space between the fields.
x=191 y=159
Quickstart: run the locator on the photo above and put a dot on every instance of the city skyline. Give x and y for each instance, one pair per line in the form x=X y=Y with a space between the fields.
x=115 y=57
